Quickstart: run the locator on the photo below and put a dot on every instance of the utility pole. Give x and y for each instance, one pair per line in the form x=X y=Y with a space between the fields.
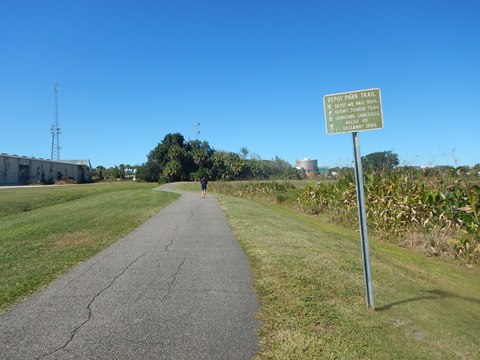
x=55 y=129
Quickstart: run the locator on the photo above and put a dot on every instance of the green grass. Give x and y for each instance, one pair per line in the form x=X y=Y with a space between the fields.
x=62 y=226
x=309 y=279
x=32 y=197
x=307 y=273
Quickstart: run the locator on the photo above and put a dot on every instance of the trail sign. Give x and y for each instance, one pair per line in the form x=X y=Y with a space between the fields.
x=353 y=111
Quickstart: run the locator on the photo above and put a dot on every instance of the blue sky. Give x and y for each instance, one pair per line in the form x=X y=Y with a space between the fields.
x=252 y=73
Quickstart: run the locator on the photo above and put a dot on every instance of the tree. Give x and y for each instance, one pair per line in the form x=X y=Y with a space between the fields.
x=377 y=161
x=228 y=166
x=121 y=171
x=97 y=174
x=175 y=159
x=276 y=168
x=169 y=149
x=244 y=152
x=201 y=152
x=173 y=171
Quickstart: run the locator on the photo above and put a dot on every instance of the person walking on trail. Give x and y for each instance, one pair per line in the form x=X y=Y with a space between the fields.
x=204 y=182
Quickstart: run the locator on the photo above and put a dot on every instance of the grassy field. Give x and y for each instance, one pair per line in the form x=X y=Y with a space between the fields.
x=44 y=231
x=307 y=273
x=309 y=278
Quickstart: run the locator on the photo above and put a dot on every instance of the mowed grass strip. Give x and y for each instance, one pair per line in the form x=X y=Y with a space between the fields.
x=16 y=200
x=38 y=245
x=309 y=279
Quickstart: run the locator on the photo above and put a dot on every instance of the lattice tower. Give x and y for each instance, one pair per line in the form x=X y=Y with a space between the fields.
x=55 y=129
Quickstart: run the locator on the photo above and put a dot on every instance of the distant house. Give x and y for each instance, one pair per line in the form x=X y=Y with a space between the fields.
x=22 y=170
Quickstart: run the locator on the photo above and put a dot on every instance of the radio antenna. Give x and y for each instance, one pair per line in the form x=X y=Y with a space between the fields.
x=55 y=129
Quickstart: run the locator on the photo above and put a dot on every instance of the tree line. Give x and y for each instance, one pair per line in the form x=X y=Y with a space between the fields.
x=386 y=161
x=175 y=159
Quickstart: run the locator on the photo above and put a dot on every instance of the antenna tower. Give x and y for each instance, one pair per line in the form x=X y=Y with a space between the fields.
x=55 y=130
x=197 y=129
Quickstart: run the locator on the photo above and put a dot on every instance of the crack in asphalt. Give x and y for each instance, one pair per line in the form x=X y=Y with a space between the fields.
x=87 y=270
x=170 y=284
x=174 y=278
x=169 y=288
x=187 y=221
x=165 y=249
x=172 y=238
x=89 y=308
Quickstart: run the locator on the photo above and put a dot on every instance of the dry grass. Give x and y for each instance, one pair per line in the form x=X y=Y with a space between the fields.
x=73 y=239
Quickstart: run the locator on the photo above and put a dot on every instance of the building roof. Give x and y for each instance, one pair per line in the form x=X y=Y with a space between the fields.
x=78 y=162
x=75 y=162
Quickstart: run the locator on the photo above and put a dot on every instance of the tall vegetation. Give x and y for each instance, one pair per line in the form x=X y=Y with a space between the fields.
x=121 y=171
x=438 y=215
x=175 y=159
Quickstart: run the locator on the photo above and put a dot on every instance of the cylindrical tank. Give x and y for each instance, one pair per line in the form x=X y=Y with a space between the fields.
x=308 y=165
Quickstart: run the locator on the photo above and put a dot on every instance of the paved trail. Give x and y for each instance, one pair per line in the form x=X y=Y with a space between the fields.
x=178 y=287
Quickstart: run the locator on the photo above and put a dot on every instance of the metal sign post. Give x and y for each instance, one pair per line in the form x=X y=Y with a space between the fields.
x=353 y=112
x=362 y=219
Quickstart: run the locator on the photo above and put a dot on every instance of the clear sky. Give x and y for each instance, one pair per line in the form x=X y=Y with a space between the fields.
x=252 y=73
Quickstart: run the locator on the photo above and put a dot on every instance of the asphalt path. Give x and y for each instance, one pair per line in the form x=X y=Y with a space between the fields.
x=178 y=287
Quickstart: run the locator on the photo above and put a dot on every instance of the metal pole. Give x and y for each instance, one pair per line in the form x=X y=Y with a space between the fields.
x=362 y=219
